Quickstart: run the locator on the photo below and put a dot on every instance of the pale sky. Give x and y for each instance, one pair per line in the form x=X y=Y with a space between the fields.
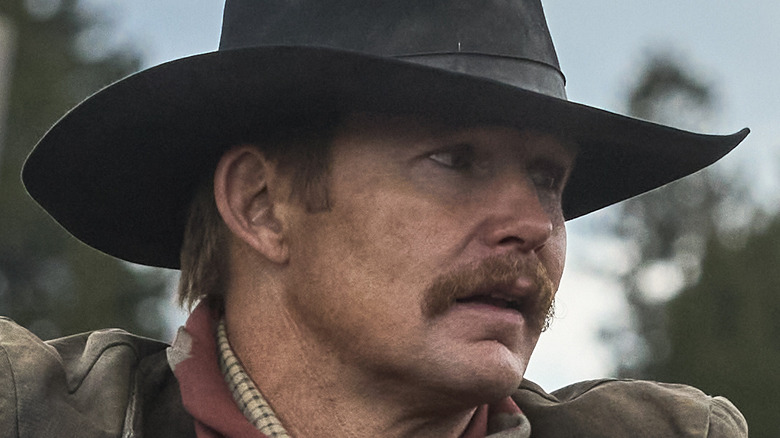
x=733 y=45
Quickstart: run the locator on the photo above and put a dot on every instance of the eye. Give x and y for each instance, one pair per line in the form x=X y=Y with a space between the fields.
x=548 y=177
x=460 y=157
x=545 y=181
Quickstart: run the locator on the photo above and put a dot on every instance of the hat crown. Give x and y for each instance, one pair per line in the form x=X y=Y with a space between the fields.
x=498 y=39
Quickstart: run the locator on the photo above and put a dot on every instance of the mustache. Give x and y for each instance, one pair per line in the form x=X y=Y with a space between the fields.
x=491 y=274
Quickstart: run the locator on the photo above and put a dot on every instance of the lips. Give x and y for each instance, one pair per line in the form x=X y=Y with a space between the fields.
x=500 y=300
x=520 y=284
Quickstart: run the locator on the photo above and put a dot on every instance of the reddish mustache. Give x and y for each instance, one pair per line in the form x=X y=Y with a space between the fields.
x=492 y=274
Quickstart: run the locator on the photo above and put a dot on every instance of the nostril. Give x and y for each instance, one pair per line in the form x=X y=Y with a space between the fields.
x=530 y=244
x=511 y=240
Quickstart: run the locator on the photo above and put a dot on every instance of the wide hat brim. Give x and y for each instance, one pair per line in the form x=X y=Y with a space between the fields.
x=119 y=170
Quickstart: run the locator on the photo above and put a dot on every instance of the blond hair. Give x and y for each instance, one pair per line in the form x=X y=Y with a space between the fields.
x=303 y=153
x=204 y=251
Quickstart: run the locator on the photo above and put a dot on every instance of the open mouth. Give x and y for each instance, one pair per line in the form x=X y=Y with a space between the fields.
x=501 y=302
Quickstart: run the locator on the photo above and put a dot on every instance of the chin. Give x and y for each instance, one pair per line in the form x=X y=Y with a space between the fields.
x=498 y=383
x=480 y=390
x=486 y=378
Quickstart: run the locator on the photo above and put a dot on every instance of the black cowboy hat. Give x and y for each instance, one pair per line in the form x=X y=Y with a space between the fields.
x=119 y=170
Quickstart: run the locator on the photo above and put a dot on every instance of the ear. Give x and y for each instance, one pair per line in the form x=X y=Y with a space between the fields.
x=241 y=192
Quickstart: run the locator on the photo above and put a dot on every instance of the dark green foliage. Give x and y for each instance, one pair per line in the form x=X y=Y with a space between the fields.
x=49 y=281
x=724 y=331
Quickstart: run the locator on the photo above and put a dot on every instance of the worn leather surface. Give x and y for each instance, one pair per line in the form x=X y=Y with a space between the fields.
x=110 y=383
x=628 y=408
x=106 y=383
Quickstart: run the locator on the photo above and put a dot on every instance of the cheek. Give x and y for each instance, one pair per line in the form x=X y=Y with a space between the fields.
x=364 y=255
x=555 y=254
x=358 y=288
x=404 y=238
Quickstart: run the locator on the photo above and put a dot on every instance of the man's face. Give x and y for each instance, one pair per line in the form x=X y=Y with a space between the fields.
x=437 y=264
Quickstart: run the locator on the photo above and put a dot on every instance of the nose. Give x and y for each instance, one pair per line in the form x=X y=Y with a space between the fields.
x=518 y=218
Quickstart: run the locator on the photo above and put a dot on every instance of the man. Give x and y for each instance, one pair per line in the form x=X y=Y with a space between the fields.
x=368 y=201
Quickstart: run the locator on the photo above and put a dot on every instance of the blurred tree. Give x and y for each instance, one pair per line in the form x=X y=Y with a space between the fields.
x=703 y=284
x=724 y=331
x=668 y=227
x=49 y=281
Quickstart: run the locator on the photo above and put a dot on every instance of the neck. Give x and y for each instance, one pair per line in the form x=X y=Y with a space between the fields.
x=315 y=394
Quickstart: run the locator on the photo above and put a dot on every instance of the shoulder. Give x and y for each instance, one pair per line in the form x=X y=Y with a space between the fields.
x=637 y=408
x=92 y=384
